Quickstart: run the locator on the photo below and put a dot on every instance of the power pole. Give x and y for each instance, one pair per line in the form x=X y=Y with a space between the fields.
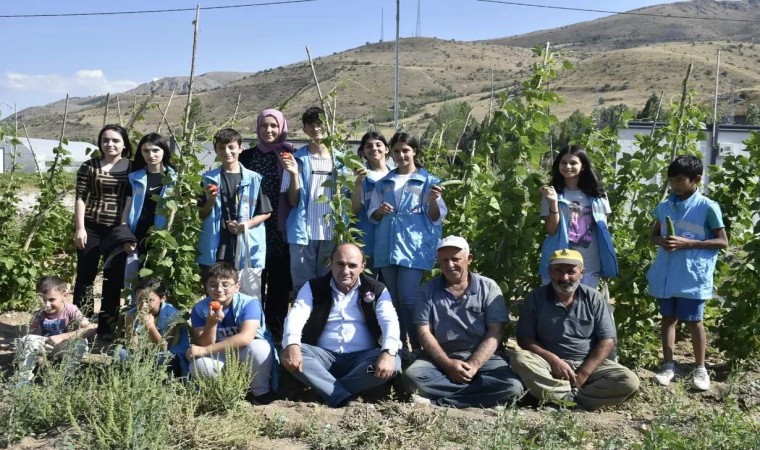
x=395 y=84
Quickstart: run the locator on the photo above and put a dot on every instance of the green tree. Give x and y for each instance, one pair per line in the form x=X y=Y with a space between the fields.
x=650 y=108
x=449 y=124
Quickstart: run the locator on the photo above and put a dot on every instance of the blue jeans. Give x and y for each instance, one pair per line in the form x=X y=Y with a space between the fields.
x=338 y=376
x=403 y=284
x=309 y=261
x=494 y=384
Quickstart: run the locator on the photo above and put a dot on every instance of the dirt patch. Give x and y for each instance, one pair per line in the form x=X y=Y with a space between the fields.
x=300 y=425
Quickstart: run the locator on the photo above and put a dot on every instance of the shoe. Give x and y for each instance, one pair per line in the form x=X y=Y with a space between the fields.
x=421 y=400
x=666 y=374
x=701 y=379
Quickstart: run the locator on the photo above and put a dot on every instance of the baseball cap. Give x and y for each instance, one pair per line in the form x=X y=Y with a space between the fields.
x=566 y=257
x=453 y=241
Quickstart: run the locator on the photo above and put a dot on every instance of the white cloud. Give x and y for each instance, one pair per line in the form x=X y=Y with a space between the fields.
x=82 y=83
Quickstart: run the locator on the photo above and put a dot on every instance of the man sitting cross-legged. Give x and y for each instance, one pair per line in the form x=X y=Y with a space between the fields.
x=460 y=318
x=341 y=336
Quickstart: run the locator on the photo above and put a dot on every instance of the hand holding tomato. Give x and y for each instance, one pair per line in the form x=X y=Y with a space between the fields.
x=212 y=190
x=289 y=163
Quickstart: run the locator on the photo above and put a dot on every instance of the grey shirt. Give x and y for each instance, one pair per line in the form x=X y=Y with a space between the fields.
x=569 y=333
x=459 y=324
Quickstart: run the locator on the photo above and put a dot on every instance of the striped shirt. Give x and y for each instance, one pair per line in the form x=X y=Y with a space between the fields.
x=321 y=171
x=104 y=193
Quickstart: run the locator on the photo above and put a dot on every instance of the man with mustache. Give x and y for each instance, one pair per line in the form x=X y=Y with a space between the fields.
x=566 y=334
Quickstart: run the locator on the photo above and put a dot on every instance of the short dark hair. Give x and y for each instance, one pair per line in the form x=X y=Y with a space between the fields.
x=157 y=140
x=151 y=285
x=370 y=135
x=127 y=152
x=344 y=244
x=227 y=135
x=313 y=115
x=221 y=270
x=50 y=283
x=687 y=165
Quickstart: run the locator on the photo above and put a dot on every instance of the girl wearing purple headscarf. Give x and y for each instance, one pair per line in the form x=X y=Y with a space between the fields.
x=266 y=159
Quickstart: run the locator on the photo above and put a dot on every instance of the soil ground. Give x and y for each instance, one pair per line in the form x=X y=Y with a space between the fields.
x=626 y=422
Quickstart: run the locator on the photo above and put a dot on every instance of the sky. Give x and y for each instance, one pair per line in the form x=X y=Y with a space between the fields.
x=44 y=58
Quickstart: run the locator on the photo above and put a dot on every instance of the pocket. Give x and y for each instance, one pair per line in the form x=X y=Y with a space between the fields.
x=477 y=318
x=582 y=328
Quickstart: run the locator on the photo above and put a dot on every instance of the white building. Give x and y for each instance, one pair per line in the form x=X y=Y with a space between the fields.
x=730 y=140
x=42 y=151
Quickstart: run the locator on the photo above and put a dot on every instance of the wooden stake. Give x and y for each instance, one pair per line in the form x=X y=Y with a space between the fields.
x=118 y=108
x=192 y=68
x=31 y=149
x=105 y=113
x=325 y=106
x=163 y=113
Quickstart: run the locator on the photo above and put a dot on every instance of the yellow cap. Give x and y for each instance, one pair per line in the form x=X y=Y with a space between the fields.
x=566 y=257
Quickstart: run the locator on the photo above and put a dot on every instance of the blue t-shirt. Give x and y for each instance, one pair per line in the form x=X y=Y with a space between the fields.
x=241 y=308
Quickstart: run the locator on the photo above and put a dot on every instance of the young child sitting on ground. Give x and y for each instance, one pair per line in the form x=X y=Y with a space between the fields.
x=52 y=329
x=156 y=318
x=229 y=320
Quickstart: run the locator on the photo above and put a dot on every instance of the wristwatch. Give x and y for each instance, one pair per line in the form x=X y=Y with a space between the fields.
x=390 y=351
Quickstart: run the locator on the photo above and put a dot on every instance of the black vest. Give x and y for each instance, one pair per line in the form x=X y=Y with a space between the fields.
x=322 y=304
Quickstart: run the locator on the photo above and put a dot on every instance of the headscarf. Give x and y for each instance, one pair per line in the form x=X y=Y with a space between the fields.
x=279 y=143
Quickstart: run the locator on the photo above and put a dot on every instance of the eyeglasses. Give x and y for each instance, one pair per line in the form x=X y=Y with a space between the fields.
x=224 y=286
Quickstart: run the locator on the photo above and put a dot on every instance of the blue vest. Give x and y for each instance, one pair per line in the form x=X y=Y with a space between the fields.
x=407 y=237
x=139 y=181
x=295 y=225
x=180 y=343
x=248 y=194
x=560 y=241
x=686 y=273
x=363 y=222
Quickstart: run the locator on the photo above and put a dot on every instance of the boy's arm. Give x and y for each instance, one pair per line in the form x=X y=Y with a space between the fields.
x=263 y=210
x=657 y=239
x=720 y=241
x=83 y=329
x=247 y=333
x=293 y=190
x=209 y=205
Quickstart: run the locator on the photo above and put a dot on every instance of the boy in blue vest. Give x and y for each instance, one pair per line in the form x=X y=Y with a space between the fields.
x=233 y=201
x=308 y=233
x=681 y=276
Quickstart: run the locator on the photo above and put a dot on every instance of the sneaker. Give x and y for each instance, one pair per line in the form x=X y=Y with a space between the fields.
x=666 y=375
x=701 y=379
x=421 y=400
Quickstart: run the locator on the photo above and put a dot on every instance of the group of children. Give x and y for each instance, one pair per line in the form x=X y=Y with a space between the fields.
x=261 y=208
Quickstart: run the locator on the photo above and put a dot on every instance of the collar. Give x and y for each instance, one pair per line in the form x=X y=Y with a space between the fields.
x=472 y=285
x=354 y=288
x=676 y=202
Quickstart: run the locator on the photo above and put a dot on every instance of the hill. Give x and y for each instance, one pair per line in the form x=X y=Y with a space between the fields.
x=672 y=22
x=435 y=71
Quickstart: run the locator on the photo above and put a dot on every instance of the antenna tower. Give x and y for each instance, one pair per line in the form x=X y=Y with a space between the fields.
x=418 y=31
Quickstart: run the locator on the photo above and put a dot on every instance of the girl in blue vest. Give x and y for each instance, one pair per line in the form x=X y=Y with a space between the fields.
x=147 y=182
x=408 y=208
x=575 y=208
x=374 y=149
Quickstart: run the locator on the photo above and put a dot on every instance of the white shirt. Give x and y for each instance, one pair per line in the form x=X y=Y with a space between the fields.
x=316 y=226
x=346 y=330
x=399 y=182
